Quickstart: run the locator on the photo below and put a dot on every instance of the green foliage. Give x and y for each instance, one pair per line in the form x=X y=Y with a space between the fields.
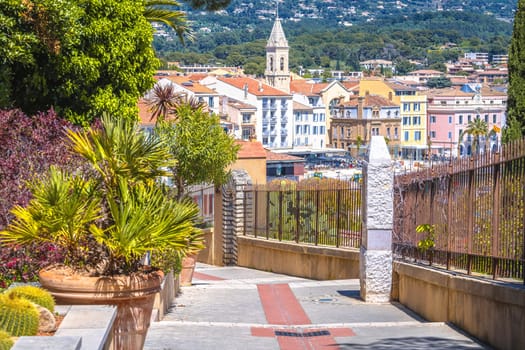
x=397 y=37
x=428 y=242
x=6 y=342
x=516 y=64
x=439 y=83
x=34 y=294
x=200 y=146
x=82 y=57
x=109 y=216
x=18 y=316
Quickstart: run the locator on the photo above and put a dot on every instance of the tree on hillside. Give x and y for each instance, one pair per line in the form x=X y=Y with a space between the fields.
x=439 y=83
x=516 y=92
x=200 y=146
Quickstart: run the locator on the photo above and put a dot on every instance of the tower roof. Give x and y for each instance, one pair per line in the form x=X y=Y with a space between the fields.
x=277 y=37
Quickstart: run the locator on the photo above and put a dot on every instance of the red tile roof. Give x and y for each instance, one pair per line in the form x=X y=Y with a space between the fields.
x=145 y=114
x=370 y=101
x=255 y=87
x=272 y=156
x=307 y=88
x=250 y=149
x=189 y=84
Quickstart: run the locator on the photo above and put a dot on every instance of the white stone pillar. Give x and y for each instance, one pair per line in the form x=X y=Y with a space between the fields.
x=375 y=262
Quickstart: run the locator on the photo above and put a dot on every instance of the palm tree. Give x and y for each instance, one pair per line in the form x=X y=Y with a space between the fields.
x=164 y=100
x=159 y=11
x=477 y=128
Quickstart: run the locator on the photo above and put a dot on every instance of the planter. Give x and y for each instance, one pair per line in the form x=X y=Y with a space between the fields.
x=188 y=267
x=133 y=295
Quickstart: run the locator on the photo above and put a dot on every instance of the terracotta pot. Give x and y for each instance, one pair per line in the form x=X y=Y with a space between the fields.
x=188 y=267
x=133 y=295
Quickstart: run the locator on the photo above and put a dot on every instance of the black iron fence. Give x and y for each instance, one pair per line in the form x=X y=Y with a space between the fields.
x=314 y=211
x=476 y=208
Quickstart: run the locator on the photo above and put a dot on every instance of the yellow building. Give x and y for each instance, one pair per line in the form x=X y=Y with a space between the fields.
x=414 y=135
x=413 y=114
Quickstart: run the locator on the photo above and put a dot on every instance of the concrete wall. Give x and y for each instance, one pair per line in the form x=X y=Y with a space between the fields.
x=490 y=311
x=320 y=263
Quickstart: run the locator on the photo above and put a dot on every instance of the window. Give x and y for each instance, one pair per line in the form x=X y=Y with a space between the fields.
x=443 y=102
x=486 y=118
x=315 y=130
x=460 y=119
x=311 y=101
x=321 y=117
x=282 y=63
x=417 y=107
x=388 y=132
x=450 y=135
x=450 y=119
x=416 y=120
x=298 y=129
x=375 y=131
x=433 y=119
x=469 y=118
x=494 y=118
x=406 y=136
x=406 y=107
x=246 y=118
x=433 y=134
x=210 y=101
x=395 y=134
x=417 y=135
x=246 y=134
x=406 y=120
x=321 y=130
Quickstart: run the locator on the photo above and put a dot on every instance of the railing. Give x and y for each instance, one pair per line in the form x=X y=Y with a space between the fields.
x=477 y=208
x=203 y=195
x=315 y=212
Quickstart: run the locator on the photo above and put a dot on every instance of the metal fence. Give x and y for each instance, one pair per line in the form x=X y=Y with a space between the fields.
x=313 y=211
x=203 y=196
x=477 y=209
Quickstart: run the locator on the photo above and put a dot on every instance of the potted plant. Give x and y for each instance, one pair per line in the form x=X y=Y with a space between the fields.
x=107 y=218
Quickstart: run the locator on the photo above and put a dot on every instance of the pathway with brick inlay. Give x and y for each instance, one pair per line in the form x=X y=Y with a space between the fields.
x=238 y=308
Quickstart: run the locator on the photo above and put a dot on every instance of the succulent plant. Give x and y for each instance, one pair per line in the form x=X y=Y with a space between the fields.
x=6 y=342
x=18 y=316
x=35 y=294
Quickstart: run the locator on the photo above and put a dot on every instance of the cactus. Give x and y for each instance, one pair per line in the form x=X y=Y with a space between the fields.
x=6 y=342
x=18 y=316
x=37 y=295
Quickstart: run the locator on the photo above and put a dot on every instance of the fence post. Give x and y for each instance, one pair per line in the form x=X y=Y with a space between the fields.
x=233 y=214
x=377 y=213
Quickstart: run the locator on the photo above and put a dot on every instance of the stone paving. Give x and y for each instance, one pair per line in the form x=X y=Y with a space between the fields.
x=240 y=308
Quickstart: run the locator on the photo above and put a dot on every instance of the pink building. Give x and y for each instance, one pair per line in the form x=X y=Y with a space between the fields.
x=450 y=110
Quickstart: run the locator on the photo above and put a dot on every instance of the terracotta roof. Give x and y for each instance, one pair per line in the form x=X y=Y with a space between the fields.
x=255 y=87
x=425 y=71
x=307 y=88
x=449 y=92
x=399 y=86
x=301 y=107
x=145 y=114
x=189 y=84
x=250 y=149
x=370 y=101
x=239 y=105
x=275 y=157
x=351 y=85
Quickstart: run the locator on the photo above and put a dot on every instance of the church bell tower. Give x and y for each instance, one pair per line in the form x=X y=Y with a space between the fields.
x=277 y=73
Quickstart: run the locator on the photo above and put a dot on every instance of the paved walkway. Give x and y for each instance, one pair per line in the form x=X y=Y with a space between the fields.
x=238 y=308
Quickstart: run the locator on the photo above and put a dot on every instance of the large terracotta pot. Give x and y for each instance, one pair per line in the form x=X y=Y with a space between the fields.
x=133 y=295
x=188 y=267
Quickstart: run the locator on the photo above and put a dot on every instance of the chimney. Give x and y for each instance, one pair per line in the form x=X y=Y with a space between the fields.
x=360 y=103
x=245 y=88
x=260 y=86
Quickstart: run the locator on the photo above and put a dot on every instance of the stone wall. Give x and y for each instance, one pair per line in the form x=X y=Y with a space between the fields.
x=319 y=263
x=491 y=311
